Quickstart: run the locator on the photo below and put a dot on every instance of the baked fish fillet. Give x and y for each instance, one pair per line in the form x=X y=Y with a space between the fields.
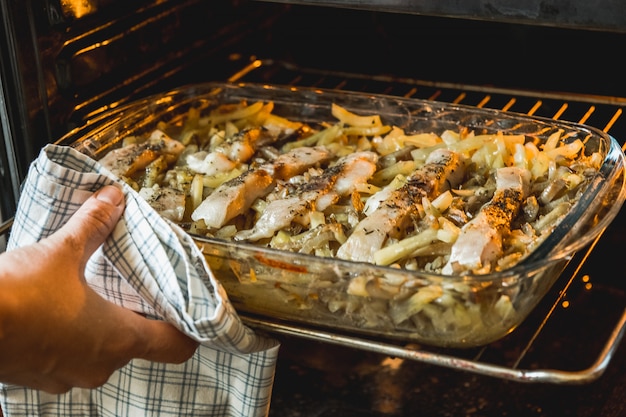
x=132 y=158
x=235 y=196
x=480 y=241
x=444 y=169
x=322 y=191
x=231 y=152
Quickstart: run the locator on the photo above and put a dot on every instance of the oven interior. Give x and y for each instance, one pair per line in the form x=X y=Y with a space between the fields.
x=64 y=62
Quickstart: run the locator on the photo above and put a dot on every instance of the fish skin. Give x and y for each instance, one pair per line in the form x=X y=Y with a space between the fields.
x=443 y=169
x=480 y=241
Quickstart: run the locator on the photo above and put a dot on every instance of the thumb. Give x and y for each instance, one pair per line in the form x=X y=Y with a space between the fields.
x=162 y=342
x=90 y=225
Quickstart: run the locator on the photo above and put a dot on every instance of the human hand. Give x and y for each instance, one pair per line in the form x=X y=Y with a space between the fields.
x=55 y=331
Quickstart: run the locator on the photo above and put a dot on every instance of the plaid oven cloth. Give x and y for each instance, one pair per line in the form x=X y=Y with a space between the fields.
x=151 y=266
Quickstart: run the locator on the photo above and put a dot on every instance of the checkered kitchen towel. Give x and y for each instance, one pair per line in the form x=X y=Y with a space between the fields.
x=151 y=266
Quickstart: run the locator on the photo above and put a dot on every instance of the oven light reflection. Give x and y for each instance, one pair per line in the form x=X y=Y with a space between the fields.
x=392 y=363
x=587 y=285
x=388 y=397
x=78 y=8
x=587 y=282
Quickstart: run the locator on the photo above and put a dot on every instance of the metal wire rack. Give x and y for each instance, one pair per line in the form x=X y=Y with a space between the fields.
x=588 y=299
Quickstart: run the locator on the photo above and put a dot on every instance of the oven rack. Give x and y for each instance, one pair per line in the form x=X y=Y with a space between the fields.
x=555 y=376
x=529 y=353
x=474 y=360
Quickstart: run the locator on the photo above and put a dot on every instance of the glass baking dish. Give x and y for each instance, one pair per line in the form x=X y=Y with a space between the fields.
x=441 y=310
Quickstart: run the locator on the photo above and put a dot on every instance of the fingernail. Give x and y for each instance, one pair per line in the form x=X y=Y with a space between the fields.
x=110 y=194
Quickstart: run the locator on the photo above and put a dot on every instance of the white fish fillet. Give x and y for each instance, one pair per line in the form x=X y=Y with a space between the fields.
x=209 y=163
x=480 y=241
x=238 y=149
x=297 y=161
x=442 y=170
x=323 y=190
x=129 y=159
x=168 y=202
x=234 y=197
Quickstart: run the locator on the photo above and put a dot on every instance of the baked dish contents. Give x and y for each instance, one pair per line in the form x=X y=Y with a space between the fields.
x=379 y=216
x=356 y=188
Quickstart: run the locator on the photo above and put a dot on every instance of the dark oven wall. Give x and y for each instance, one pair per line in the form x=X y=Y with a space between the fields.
x=477 y=52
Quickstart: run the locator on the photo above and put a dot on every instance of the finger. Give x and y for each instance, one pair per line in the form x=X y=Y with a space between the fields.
x=53 y=387
x=162 y=342
x=94 y=220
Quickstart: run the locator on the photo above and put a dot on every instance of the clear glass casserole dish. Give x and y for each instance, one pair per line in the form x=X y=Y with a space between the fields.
x=387 y=301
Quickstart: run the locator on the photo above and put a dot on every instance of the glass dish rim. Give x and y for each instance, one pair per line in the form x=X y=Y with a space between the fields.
x=545 y=254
